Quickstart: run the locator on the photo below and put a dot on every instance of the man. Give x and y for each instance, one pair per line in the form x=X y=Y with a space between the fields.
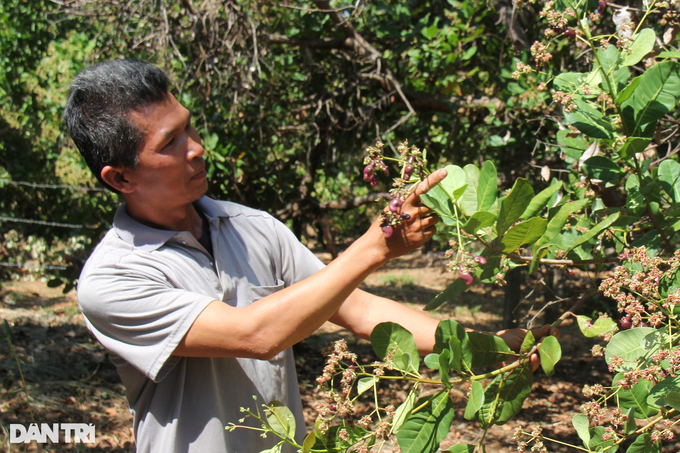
x=199 y=301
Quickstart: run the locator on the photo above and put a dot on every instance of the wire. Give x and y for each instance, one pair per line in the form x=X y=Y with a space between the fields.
x=42 y=222
x=51 y=186
x=32 y=266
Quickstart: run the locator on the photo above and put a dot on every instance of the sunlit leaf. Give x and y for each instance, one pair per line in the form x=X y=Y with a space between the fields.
x=387 y=336
x=475 y=401
x=423 y=431
x=601 y=326
x=643 y=44
x=487 y=189
x=513 y=205
x=526 y=232
x=540 y=201
x=628 y=346
x=281 y=419
x=550 y=352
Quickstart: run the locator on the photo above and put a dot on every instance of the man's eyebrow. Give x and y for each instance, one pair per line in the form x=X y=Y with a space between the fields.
x=172 y=132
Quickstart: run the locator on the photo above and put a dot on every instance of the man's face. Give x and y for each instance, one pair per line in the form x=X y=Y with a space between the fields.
x=171 y=169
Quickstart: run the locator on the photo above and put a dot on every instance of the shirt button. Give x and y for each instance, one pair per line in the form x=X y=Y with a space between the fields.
x=211 y=263
x=183 y=242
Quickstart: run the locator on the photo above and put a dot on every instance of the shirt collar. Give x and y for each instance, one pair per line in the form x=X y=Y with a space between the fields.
x=149 y=239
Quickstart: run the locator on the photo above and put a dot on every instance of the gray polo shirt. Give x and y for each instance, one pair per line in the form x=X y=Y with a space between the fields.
x=141 y=290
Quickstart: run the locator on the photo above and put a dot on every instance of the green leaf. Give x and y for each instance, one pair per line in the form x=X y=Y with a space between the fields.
x=478 y=221
x=309 y=442
x=275 y=449
x=456 y=348
x=459 y=192
x=431 y=31
x=488 y=350
x=540 y=201
x=403 y=412
x=628 y=91
x=424 y=430
x=656 y=95
x=469 y=53
x=462 y=448
x=475 y=401
x=635 y=397
x=451 y=335
x=455 y=289
x=567 y=81
x=550 y=352
x=281 y=419
x=633 y=146
x=608 y=58
x=444 y=367
x=514 y=205
x=642 y=45
x=504 y=396
x=601 y=326
x=387 y=336
x=366 y=383
x=528 y=342
x=657 y=396
x=559 y=220
x=672 y=399
x=455 y=179
x=589 y=120
x=671 y=54
x=526 y=232
x=582 y=427
x=644 y=444
x=627 y=345
x=669 y=176
x=468 y=200
x=438 y=200
x=600 y=167
x=432 y=361
x=597 y=229
x=630 y=425
x=597 y=443
x=572 y=144
x=487 y=190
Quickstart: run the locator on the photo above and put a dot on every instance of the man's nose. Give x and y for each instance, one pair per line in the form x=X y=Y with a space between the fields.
x=195 y=149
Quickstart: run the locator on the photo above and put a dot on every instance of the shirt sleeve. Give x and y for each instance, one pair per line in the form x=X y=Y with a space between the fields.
x=297 y=261
x=136 y=314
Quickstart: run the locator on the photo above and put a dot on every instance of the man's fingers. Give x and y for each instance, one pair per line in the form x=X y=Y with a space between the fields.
x=535 y=362
x=541 y=331
x=432 y=180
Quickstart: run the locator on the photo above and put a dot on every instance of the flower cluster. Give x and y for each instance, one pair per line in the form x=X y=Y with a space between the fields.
x=462 y=262
x=637 y=293
x=540 y=53
x=565 y=99
x=522 y=68
x=524 y=439
x=412 y=162
x=339 y=377
x=374 y=161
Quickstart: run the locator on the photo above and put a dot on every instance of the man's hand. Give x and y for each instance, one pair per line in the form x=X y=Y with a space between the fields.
x=515 y=337
x=412 y=233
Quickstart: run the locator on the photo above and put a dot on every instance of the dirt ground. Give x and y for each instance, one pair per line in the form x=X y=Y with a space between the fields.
x=70 y=380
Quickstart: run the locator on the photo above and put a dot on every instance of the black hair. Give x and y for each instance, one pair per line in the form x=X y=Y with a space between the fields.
x=97 y=112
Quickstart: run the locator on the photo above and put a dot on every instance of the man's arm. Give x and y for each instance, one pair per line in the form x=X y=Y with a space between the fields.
x=362 y=311
x=276 y=322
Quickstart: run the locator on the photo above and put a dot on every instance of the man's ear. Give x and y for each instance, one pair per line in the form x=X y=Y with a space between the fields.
x=118 y=178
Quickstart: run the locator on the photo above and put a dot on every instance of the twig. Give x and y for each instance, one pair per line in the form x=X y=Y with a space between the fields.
x=575 y=307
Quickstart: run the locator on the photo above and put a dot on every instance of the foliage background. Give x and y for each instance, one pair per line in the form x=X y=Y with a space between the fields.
x=286 y=96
